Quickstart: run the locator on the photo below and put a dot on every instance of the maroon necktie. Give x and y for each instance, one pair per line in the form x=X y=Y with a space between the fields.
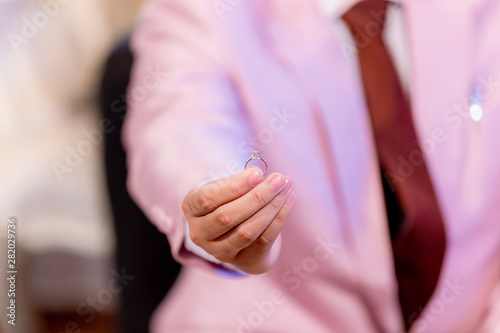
x=419 y=244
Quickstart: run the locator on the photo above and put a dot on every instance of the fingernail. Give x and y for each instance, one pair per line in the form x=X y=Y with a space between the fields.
x=255 y=177
x=288 y=186
x=277 y=182
x=290 y=199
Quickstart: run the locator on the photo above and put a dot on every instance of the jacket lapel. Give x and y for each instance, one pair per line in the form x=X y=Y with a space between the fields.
x=325 y=64
x=440 y=39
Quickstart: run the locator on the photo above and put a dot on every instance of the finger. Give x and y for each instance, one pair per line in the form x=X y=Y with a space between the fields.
x=209 y=197
x=253 y=256
x=247 y=232
x=233 y=213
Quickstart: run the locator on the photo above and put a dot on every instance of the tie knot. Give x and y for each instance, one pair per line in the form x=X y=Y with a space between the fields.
x=367 y=17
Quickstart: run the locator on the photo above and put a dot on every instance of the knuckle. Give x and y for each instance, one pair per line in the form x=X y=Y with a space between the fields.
x=195 y=237
x=246 y=235
x=235 y=189
x=204 y=200
x=259 y=198
x=243 y=261
x=281 y=216
x=263 y=240
x=223 y=218
x=274 y=205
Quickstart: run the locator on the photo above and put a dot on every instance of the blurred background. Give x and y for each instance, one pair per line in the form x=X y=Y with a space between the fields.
x=87 y=259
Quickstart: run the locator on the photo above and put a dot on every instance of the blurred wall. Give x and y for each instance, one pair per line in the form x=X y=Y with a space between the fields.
x=51 y=177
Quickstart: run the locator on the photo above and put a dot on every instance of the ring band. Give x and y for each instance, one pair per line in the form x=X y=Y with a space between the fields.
x=256 y=156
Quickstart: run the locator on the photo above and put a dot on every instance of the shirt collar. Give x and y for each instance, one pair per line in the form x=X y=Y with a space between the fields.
x=337 y=8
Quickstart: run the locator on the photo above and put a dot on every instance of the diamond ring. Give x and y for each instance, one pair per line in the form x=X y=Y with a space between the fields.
x=256 y=156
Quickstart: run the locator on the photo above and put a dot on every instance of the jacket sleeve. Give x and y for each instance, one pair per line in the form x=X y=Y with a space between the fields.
x=185 y=120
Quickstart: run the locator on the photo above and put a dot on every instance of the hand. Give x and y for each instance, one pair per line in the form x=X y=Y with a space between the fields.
x=237 y=219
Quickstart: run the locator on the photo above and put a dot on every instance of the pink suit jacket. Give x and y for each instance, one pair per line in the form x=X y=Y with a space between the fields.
x=210 y=86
